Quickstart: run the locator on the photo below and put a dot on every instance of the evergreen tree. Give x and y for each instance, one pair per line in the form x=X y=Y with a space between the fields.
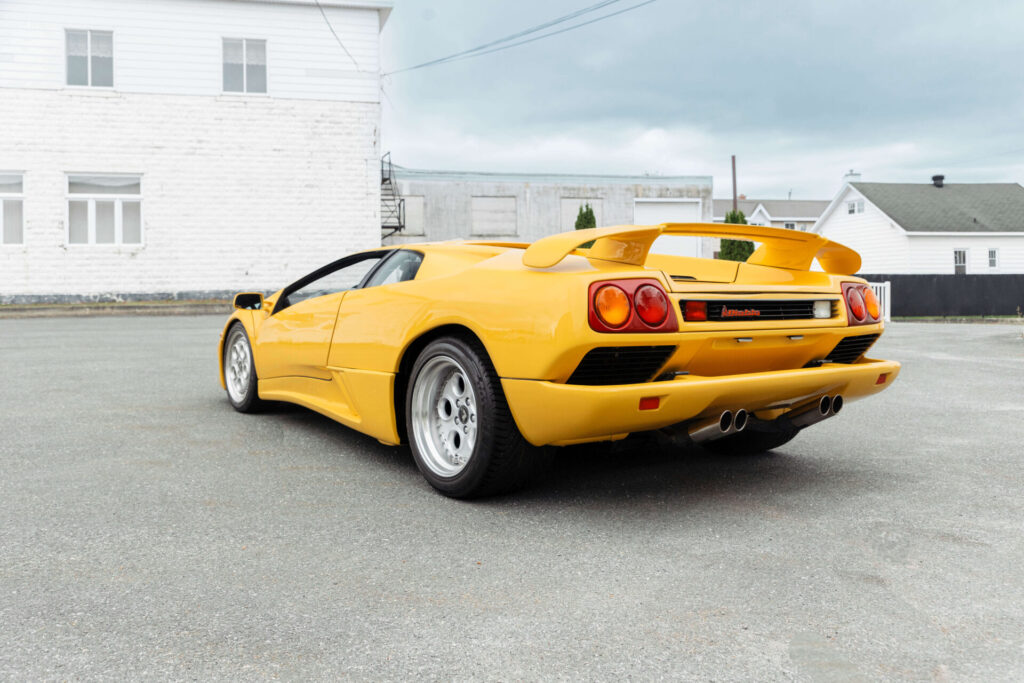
x=735 y=250
x=585 y=218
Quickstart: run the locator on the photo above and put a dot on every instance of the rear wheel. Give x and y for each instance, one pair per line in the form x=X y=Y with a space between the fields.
x=752 y=440
x=240 y=371
x=461 y=433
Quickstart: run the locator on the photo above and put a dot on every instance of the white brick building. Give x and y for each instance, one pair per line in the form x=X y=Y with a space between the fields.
x=184 y=148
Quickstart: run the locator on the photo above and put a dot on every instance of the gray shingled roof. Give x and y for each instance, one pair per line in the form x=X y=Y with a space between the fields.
x=776 y=208
x=954 y=207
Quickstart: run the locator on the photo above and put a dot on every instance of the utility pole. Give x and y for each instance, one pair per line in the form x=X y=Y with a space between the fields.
x=735 y=204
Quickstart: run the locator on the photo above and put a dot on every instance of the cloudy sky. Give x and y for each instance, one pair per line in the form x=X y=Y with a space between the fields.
x=800 y=91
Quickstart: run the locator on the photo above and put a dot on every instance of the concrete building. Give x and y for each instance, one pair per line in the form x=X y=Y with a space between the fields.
x=936 y=227
x=184 y=147
x=794 y=214
x=442 y=205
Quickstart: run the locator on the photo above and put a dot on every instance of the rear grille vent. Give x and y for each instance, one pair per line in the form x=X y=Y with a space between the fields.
x=851 y=348
x=759 y=309
x=620 y=365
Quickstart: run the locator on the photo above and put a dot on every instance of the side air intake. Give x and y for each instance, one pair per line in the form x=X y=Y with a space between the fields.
x=621 y=365
x=850 y=349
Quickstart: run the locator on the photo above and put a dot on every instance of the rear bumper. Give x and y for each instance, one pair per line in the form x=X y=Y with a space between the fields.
x=559 y=414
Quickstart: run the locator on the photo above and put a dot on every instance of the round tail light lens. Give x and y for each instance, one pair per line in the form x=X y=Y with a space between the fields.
x=651 y=305
x=612 y=306
x=856 y=301
x=871 y=301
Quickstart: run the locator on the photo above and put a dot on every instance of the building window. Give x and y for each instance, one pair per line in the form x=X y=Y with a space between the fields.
x=90 y=58
x=789 y=226
x=245 y=65
x=993 y=258
x=12 y=220
x=414 y=218
x=960 y=261
x=856 y=206
x=104 y=209
x=493 y=216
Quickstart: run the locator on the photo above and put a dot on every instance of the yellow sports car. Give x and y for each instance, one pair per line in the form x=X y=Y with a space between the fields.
x=476 y=353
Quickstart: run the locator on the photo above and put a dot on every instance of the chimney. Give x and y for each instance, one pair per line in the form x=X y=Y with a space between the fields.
x=851 y=177
x=937 y=180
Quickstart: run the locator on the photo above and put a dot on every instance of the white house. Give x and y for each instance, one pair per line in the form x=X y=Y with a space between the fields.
x=937 y=227
x=184 y=147
x=794 y=214
x=441 y=205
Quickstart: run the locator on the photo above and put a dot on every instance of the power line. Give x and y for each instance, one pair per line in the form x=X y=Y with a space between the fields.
x=533 y=29
x=335 y=34
x=483 y=49
x=555 y=33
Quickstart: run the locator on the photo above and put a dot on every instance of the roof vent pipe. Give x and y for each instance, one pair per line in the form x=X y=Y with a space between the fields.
x=937 y=180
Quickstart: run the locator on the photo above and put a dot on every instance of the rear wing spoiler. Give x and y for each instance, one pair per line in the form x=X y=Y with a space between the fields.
x=629 y=244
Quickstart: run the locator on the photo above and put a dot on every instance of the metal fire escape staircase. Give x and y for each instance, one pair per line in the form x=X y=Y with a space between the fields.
x=392 y=206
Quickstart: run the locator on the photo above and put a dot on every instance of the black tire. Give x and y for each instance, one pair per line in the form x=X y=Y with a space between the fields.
x=242 y=396
x=498 y=459
x=753 y=440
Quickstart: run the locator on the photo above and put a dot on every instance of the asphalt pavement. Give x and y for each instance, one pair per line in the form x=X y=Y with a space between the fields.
x=147 y=531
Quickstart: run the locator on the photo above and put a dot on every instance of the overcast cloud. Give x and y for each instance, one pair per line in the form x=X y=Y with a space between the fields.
x=800 y=91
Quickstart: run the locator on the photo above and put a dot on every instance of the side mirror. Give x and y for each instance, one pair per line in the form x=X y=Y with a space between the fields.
x=249 y=301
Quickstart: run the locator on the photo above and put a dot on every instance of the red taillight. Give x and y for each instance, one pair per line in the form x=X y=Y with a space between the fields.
x=695 y=311
x=639 y=305
x=861 y=303
x=856 y=301
x=651 y=304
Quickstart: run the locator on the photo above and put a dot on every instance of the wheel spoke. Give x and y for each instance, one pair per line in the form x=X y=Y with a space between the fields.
x=444 y=415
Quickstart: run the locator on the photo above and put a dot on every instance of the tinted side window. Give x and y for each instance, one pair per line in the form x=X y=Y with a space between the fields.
x=399 y=268
x=339 y=280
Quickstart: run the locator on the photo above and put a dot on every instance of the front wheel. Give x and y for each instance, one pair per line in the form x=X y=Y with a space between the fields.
x=240 y=371
x=461 y=433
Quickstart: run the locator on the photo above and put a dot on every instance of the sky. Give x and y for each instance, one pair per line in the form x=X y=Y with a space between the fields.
x=800 y=91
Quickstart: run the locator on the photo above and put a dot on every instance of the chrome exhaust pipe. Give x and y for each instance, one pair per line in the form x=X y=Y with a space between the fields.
x=739 y=421
x=816 y=413
x=713 y=428
x=837 y=404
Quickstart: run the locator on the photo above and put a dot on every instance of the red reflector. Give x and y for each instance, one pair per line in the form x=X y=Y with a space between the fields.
x=881 y=379
x=650 y=403
x=695 y=311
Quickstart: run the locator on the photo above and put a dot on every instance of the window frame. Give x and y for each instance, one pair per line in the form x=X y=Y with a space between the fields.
x=993 y=257
x=13 y=196
x=91 y=199
x=88 y=59
x=964 y=251
x=332 y=267
x=245 y=62
x=789 y=226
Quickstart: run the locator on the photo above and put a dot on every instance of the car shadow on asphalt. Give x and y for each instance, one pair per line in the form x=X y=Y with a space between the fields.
x=640 y=466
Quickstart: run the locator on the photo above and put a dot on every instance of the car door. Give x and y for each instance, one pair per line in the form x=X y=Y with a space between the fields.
x=372 y=318
x=295 y=339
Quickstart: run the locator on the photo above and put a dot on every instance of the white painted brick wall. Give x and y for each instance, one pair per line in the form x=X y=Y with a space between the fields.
x=237 y=192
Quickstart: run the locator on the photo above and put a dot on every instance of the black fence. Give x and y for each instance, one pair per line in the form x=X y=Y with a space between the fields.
x=954 y=295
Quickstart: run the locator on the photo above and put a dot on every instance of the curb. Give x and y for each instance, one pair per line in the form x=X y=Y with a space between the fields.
x=114 y=309
x=961 y=321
